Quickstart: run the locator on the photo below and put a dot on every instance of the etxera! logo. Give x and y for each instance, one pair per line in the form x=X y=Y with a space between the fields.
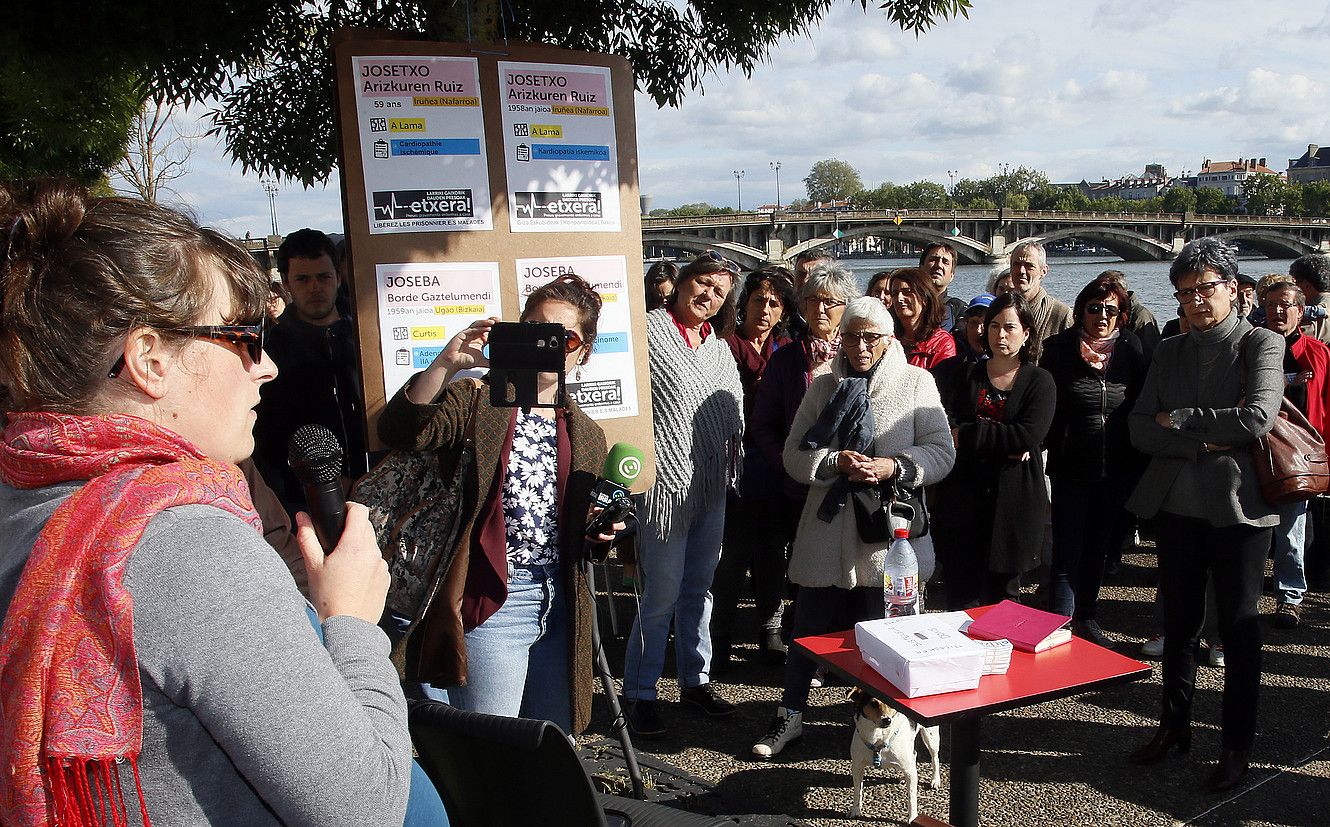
x=422 y=205
x=557 y=204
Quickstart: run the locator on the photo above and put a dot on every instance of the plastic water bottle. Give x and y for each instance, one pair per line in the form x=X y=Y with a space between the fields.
x=900 y=577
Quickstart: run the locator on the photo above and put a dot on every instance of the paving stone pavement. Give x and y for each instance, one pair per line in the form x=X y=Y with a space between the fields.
x=1057 y=763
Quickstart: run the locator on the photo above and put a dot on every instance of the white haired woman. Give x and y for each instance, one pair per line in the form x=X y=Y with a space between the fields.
x=874 y=400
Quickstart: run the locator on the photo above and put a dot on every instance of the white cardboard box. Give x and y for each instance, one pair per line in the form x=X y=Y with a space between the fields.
x=920 y=654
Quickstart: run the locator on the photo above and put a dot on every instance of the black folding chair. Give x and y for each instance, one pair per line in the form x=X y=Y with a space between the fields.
x=496 y=772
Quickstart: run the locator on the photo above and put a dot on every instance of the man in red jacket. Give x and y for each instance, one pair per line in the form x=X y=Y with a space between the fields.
x=1307 y=385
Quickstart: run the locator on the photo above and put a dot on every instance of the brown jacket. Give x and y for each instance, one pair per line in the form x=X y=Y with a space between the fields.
x=436 y=649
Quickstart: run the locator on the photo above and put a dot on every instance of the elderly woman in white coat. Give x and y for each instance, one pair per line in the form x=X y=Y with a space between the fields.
x=838 y=574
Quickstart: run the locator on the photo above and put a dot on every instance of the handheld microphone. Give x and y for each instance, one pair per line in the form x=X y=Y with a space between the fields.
x=623 y=465
x=315 y=457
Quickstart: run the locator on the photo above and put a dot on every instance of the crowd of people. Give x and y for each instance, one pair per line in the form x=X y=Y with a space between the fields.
x=1042 y=437
x=152 y=375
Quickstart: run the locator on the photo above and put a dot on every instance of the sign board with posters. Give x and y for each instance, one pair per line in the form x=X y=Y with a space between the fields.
x=560 y=149
x=472 y=175
x=605 y=387
x=423 y=305
x=422 y=143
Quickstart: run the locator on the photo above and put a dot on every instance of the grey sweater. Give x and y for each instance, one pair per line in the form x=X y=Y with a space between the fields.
x=247 y=718
x=1200 y=376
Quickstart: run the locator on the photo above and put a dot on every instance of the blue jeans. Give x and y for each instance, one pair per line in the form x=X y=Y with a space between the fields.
x=1290 y=536
x=424 y=808
x=517 y=660
x=1089 y=521
x=677 y=576
x=395 y=626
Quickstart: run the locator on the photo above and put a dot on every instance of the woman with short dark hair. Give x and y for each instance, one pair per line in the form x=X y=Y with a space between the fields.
x=989 y=515
x=1098 y=365
x=754 y=535
x=697 y=420
x=1207 y=396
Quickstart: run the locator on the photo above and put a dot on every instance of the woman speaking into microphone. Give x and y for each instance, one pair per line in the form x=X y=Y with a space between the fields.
x=510 y=631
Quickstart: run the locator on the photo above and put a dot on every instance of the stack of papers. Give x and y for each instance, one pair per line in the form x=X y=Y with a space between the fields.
x=997 y=656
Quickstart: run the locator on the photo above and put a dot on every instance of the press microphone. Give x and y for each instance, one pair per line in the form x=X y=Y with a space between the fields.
x=315 y=457
x=623 y=465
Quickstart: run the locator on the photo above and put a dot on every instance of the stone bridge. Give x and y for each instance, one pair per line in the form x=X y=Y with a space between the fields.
x=979 y=236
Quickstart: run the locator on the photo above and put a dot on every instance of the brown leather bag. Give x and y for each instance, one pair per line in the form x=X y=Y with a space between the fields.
x=1291 y=461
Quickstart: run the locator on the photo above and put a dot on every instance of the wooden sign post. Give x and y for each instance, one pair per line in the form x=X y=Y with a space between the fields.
x=472 y=175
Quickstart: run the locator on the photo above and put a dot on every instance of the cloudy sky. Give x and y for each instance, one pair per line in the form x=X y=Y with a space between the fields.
x=1076 y=89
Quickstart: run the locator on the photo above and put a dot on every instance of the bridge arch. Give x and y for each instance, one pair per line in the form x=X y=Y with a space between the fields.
x=969 y=250
x=746 y=257
x=1272 y=243
x=1129 y=244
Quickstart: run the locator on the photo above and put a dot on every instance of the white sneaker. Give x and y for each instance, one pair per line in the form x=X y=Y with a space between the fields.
x=1217 y=655
x=787 y=727
x=819 y=678
x=1154 y=647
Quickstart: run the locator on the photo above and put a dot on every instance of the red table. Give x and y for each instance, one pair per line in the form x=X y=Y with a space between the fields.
x=1076 y=667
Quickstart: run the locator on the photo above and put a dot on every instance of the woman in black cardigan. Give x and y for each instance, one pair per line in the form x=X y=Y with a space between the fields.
x=989 y=513
x=1098 y=365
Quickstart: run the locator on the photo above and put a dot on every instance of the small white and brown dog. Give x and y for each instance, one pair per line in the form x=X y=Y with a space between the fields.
x=885 y=737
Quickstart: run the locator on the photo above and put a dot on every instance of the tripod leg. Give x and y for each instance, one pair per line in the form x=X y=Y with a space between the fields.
x=620 y=724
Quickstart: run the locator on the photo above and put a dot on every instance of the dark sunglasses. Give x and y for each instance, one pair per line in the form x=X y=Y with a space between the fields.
x=251 y=336
x=712 y=255
x=1098 y=308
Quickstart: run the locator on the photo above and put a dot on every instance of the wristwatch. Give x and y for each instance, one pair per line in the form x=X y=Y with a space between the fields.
x=1175 y=419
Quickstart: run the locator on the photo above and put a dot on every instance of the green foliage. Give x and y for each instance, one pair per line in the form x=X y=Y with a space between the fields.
x=1180 y=199
x=269 y=61
x=53 y=124
x=832 y=180
x=1017 y=201
x=1265 y=194
x=982 y=204
x=1316 y=198
x=691 y=211
x=1212 y=201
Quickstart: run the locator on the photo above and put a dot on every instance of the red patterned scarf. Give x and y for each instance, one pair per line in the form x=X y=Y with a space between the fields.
x=71 y=705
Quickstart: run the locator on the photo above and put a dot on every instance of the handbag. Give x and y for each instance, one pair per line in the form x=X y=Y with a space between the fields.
x=417 y=515
x=1291 y=461
x=878 y=508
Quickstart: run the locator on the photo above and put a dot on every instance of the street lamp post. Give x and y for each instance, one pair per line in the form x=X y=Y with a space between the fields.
x=951 y=173
x=776 y=166
x=270 y=187
x=1006 y=183
x=738 y=182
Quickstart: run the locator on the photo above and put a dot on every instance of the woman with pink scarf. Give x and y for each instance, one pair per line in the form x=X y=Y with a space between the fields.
x=1098 y=365
x=157 y=662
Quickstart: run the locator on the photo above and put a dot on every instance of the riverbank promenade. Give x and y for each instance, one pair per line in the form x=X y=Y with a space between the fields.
x=1050 y=765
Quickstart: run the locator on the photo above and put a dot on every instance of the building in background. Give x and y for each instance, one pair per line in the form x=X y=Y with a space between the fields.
x=1314 y=165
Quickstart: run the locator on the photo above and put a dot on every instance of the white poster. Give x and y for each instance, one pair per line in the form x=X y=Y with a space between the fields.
x=423 y=305
x=422 y=143
x=559 y=148
x=607 y=386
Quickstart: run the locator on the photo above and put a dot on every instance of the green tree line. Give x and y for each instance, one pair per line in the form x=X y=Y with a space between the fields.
x=1024 y=188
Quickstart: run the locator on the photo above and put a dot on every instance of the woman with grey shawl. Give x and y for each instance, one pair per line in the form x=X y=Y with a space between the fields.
x=697 y=412
x=874 y=419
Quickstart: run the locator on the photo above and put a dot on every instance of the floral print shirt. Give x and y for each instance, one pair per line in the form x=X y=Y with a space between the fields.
x=530 y=493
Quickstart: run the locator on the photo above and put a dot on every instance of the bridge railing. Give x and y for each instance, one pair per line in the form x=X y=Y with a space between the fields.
x=1089 y=216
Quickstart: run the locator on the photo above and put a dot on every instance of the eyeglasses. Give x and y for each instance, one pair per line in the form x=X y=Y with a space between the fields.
x=830 y=304
x=252 y=336
x=1097 y=308
x=1287 y=307
x=712 y=255
x=868 y=337
x=571 y=341
x=1205 y=290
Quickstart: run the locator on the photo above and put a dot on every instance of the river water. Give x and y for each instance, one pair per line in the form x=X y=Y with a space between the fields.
x=1068 y=274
